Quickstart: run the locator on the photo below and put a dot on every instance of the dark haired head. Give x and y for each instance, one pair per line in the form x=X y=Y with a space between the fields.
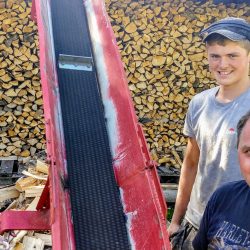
x=241 y=124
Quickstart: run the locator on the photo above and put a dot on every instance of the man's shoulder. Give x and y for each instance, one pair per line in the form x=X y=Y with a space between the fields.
x=230 y=198
x=205 y=94
x=230 y=187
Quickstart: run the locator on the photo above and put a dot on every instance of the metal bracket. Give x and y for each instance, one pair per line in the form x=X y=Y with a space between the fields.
x=75 y=62
x=148 y=161
x=25 y=220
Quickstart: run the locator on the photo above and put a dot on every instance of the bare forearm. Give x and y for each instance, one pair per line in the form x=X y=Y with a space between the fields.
x=187 y=178
x=186 y=182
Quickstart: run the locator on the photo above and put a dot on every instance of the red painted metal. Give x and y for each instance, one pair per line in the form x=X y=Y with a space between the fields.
x=60 y=210
x=58 y=217
x=28 y=220
x=135 y=172
x=25 y=220
x=44 y=201
x=136 y=175
x=33 y=11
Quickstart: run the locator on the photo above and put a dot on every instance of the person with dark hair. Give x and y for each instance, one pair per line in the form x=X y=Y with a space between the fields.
x=226 y=221
x=210 y=125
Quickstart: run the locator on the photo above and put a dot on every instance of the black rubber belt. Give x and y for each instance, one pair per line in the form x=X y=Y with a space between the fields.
x=99 y=221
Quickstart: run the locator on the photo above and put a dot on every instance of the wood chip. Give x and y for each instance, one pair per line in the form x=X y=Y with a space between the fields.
x=8 y=193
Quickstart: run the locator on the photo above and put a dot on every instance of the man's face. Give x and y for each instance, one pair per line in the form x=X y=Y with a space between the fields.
x=244 y=152
x=229 y=64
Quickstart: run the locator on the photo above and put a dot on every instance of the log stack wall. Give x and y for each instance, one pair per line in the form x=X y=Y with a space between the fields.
x=164 y=59
x=165 y=62
x=22 y=130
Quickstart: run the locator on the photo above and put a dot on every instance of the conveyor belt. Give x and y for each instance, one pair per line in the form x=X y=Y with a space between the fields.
x=99 y=222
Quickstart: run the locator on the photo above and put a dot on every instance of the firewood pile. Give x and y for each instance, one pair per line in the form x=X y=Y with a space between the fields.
x=163 y=57
x=165 y=63
x=22 y=126
x=24 y=195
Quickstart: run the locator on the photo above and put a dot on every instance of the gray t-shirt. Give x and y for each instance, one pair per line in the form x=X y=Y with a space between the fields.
x=214 y=126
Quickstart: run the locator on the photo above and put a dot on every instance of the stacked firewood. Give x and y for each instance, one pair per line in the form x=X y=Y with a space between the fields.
x=24 y=195
x=22 y=129
x=165 y=62
x=163 y=56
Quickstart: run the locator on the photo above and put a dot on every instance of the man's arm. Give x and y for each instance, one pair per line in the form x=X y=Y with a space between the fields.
x=187 y=177
x=200 y=241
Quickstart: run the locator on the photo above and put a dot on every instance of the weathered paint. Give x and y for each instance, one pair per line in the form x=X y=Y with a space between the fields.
x=143 y=201
x=142 y=198
x=60 y=211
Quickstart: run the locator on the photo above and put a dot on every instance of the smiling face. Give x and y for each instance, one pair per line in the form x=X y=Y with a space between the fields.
x=229 y=63
x=244 y=152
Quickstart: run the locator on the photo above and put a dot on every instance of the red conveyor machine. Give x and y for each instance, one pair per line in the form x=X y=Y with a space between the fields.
x=135 y=173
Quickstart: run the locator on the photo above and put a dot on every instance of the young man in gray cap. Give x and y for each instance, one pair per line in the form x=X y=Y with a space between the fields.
x=211 y=156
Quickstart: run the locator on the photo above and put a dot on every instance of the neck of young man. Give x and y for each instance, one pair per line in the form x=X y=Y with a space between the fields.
x=227 y=94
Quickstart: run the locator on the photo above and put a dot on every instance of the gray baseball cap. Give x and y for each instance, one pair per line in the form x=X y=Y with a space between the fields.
x=235 y=29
